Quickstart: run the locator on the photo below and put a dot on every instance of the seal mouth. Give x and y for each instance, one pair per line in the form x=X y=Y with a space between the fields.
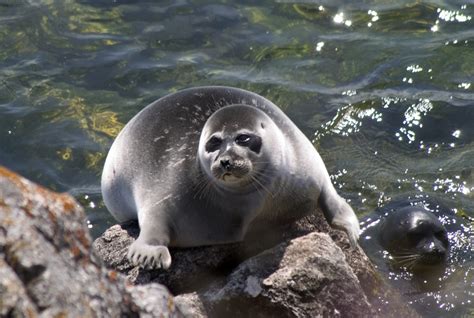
x=231 y=173
x=433 y=258
x=416 y=262
x=227 y=174
x=229 y=177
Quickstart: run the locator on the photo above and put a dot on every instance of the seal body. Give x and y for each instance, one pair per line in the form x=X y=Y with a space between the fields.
x=205 y=165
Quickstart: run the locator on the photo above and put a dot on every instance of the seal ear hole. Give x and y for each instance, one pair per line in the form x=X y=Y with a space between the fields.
x=262 y=125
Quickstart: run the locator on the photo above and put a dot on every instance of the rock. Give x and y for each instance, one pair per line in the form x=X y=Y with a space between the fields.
x=304 y=269
x=291 y=272
x=153 y=300
x=307 y=277
x=191 y=305
x=46 y=265
x=192 y=268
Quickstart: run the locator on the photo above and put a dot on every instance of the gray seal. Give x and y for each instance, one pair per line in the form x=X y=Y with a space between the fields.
x=414 y=237
x=205 y=165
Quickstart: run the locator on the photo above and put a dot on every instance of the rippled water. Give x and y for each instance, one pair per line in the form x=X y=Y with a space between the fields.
x=383 y=88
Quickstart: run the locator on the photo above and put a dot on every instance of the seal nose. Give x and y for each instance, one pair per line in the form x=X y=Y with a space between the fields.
x=436 y=247
x=434 y=253
x=225 y=163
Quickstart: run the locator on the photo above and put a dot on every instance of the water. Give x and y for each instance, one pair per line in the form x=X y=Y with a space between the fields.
x=384 y=89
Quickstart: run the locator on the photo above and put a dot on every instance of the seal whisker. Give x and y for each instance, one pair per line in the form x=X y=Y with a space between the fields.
x=200 y=186
x=279 y=187
x=264 y=176
x=403 y=249
x=408 y=263
x=206 y=191
x=262 y=194
x=403 y=254
x=254 y=178
x=404 y=258
x=397 y=255
x=197 y=187
x=203 y=189
x=412 y=264
x=263 y=179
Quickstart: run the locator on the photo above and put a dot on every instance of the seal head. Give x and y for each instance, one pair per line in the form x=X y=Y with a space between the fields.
x=235 y=148
x=414 y=237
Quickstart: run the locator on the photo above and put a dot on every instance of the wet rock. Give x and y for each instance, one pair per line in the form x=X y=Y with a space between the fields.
x=46 y=265
x=293 y=272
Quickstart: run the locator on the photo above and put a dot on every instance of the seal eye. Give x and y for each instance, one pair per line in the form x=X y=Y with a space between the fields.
x=415 y=236
x=243 y=140
x=442 y=236
x=253 y=142
x=213 y=144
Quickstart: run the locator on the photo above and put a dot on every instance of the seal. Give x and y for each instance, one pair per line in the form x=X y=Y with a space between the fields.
x=414 y=237
x=406 y=240
x=205 y=165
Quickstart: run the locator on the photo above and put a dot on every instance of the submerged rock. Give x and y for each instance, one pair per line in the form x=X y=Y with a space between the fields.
x=46 y=265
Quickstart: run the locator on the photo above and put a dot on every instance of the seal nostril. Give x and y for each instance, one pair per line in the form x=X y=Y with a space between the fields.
x=225 y=164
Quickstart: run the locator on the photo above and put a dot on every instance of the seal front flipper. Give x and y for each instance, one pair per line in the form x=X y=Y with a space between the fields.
x=149 y=256
x=339 y=214
x=150 y=250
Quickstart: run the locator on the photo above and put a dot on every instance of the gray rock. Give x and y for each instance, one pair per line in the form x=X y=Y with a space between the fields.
x=191 y=305
x=192 y=269
x=241 y=279
x=153 y=300
x=46 y=265
x=308 y=277
x=14 y=298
